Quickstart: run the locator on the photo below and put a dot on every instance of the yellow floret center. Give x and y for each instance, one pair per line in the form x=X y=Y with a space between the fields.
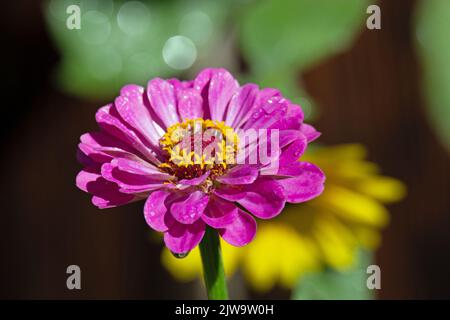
x=197 y=145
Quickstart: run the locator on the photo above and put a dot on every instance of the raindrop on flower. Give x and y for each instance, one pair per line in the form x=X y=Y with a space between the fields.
x=180 y=255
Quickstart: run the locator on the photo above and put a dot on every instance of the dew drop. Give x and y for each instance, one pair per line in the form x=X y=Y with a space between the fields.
x=180 y=255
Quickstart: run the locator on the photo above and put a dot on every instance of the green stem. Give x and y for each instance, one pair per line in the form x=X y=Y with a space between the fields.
x=213 y=273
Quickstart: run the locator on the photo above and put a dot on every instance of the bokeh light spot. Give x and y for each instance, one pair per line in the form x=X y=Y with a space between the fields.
x=179 y=52
x=134 y=18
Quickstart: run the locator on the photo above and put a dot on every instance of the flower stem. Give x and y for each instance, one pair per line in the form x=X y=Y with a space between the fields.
x=213 y=271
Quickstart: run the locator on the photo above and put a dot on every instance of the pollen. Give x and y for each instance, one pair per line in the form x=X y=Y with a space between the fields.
x=196 y=146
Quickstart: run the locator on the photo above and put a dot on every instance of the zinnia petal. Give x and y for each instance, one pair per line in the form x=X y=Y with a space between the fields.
x=190 y=104
x=137 y=166
x=106 y=194
x=230 y=192
x=161 y=95
x=131 y=107
x=306 y=185
x=219 y=213
x=310 y=132
x=240 y=175
x=156 y=213
x=264 y=198
x=110 y=121
x=293 y=152
x=241 y=105
x=101 y=147
x=221 y=88
x=130 y=182
x=241 y=231
x=182 y=238
x=195 y=181
x=190 y=208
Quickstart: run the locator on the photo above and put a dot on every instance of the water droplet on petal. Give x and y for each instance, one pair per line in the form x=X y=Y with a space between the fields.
x=180 y=255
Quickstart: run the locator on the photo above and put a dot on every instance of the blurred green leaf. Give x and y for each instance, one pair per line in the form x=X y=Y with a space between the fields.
x=337 y=285
x=433 y=43
x=288 y=35
x=121 y=42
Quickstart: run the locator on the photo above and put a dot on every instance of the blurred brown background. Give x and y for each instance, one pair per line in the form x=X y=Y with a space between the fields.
x=370 y=94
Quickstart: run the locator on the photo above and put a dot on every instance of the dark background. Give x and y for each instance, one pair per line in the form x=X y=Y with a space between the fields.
x=370 y=94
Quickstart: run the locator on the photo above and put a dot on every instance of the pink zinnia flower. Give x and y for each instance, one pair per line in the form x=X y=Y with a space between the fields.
x=143 y=151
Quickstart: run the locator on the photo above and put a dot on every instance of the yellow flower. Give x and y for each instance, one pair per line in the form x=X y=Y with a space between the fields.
x=326 y=231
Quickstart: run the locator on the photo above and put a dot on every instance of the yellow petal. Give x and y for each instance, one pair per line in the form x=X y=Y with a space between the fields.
x=301 y=258
x=336 y=153
x=260 y=259
x=352 y=170
x=278 y=253
x=385 y=189
x=336 y=242
x=353 y=206
x=367 y=237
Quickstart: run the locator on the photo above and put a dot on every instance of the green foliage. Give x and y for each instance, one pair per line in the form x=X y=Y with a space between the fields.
x=295 y=34
x=433 y=43
x=112 y=49
x=337 y=285
x=280 y=38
